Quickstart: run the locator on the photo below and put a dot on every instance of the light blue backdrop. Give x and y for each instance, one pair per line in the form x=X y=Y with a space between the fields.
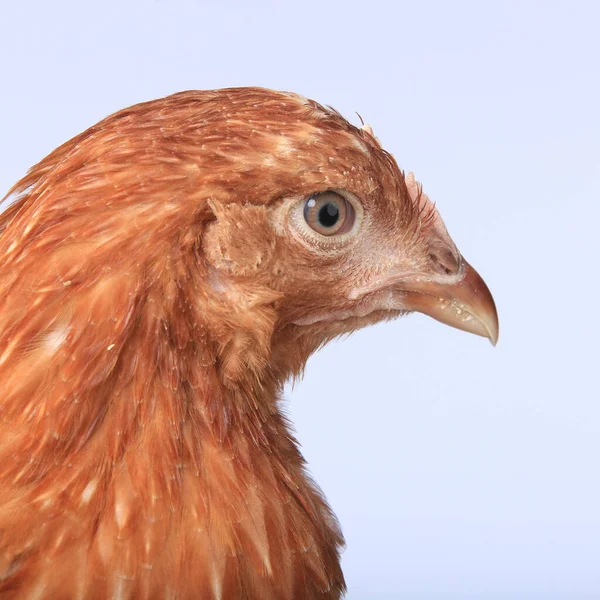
x=457 y=470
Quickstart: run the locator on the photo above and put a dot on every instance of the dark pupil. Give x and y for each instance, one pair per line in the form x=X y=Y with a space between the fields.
x=329 y=215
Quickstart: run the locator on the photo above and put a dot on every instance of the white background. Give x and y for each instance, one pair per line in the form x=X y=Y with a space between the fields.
x=457 y=470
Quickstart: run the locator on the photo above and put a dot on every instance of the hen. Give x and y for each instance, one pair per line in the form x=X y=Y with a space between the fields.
x=163 y=274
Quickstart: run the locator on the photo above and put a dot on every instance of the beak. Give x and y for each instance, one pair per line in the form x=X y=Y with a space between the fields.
x=461 y=300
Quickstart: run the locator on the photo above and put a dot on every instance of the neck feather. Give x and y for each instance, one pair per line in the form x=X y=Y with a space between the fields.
x=135 y=460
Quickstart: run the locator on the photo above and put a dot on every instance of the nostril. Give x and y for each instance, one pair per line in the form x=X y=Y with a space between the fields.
x=445 y=260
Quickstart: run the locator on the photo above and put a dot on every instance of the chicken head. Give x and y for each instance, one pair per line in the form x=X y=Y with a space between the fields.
x=161 y=276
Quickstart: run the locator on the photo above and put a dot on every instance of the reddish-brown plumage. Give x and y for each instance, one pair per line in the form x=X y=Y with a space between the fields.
x=152 y=304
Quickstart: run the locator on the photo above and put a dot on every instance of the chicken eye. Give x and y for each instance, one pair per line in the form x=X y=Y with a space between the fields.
x=329 y=213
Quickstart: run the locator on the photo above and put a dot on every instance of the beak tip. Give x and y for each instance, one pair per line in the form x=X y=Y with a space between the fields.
x=494 y=324
x=492 y=328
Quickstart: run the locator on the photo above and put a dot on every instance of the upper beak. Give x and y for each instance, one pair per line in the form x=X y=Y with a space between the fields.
x=461 y=300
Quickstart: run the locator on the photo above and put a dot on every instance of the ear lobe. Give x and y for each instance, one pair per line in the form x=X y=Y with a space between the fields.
x=240 y=240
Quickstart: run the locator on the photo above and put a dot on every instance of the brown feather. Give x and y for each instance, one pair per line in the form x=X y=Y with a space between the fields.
x=147 y=310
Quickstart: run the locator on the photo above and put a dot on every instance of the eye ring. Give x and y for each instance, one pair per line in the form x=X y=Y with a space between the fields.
x=329 y=213
x=290 y=217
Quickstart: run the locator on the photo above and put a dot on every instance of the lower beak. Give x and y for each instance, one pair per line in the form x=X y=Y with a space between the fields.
x=462 y=300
